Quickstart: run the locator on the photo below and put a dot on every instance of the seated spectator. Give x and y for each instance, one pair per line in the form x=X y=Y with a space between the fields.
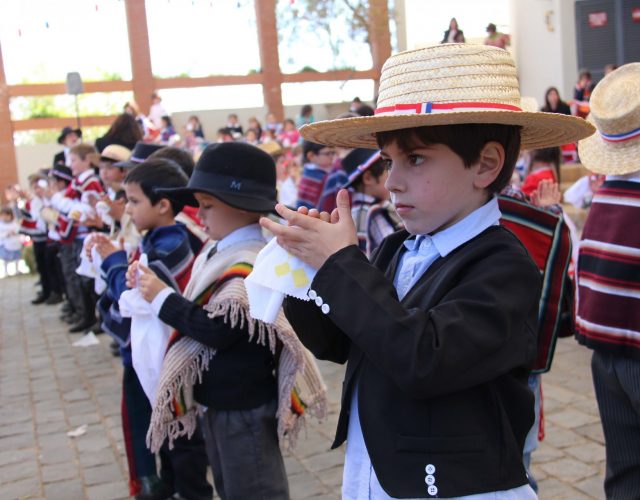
x=554 y=104
x=495 y=38
x=234 y=126
x=124 y=131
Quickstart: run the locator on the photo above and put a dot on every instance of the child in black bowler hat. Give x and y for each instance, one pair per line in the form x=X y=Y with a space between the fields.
x=219 y=357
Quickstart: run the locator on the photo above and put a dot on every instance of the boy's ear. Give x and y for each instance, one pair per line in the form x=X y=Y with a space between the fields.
x=164 y=205
x=489 y=165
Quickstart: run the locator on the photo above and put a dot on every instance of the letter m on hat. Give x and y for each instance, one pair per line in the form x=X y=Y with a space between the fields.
x=237 y=185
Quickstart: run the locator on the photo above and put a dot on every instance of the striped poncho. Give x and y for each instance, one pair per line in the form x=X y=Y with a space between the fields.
x=217 y=284
x=608 y=273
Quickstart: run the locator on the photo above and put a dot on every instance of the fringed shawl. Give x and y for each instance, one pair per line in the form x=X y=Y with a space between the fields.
x=218 y=285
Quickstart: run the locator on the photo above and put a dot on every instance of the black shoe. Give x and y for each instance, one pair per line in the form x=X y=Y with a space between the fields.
x=71 y=319
x=115 y=352
x=96 y=328
x=66 y=308
x=54 y=298
x=153 y=488
x=80 y=327
x=40 y=299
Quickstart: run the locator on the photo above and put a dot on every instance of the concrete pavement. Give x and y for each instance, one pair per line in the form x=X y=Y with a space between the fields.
x=48 y=387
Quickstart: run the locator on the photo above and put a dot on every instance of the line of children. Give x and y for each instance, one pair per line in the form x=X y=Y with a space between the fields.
x=439 y=331
x=240 y=370
x=171 y=255
x=74 y=207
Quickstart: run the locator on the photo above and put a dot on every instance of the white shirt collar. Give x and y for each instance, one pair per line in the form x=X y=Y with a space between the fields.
x=447 y=240
x=632 y=177
x=85 y=175
x=250 y=232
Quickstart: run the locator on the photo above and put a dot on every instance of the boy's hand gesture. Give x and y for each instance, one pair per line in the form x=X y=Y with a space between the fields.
x=311 y=236
x=103 y=245
x=546 y=194
x=147 y=282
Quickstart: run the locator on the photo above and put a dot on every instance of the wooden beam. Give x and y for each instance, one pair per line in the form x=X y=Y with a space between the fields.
x=39 y=89
x=309 y=76
x=9 y=165
x=379 y=35
x=142 y=75
x=207 y=81
x=269 y=59
x=59 y=123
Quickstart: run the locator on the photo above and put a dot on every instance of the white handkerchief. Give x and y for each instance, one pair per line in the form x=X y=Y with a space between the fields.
x=91 y=268
x=149 y=338
x=275 y=274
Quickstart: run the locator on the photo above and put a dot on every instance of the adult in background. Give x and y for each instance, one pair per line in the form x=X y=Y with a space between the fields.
x=554 y=104
x=124 y=131
x=69 y=137
x=495 y=38
x=454 y=34
x=305 y=116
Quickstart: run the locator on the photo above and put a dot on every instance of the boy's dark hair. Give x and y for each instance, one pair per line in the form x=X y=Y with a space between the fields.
x=466 y=140
x=310 y=147
x=183 y=158
x=158 y=173
x=548 y=155
x=376 y=170
x=120 y=194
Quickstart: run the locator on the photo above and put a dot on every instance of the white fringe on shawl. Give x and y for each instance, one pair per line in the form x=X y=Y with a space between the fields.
x=186 y=360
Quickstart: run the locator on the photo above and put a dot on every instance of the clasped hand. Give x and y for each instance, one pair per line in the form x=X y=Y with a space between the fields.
x=147 y=281
x=314 y=236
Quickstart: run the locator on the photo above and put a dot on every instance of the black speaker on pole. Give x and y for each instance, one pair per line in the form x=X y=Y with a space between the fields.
x=75 y=87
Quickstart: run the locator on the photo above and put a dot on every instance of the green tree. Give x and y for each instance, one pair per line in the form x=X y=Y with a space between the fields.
x=322 y=18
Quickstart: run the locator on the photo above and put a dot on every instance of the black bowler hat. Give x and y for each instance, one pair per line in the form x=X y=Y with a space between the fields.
x=239 y=174
x=61 y=172
x=142 y=151
x=357 y=162
x=68 y=130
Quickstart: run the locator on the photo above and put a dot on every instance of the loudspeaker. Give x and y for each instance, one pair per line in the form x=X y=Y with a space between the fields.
x=74 y=83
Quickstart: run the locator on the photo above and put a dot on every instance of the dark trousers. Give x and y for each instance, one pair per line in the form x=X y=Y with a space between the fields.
x=69 y=264
x=54 y=271
x=617 y=383
x=184 y=468
x=244 y=453
x=40 y=256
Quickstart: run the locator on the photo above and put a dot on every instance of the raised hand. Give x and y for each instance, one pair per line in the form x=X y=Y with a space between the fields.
x=313 y=237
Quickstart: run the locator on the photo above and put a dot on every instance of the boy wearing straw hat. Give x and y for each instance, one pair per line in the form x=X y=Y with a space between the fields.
x=608 y=274
x=438 y=331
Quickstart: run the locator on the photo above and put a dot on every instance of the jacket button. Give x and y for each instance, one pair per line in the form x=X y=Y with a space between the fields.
x=325 y=308
x=430 y=469
x=432 y=490
x=318 y=301
x=430 y=480
x=312 y=294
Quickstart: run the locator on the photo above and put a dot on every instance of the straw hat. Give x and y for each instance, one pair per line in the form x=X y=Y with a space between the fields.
x=615 y=111
x=115 y=153
x=449 y=84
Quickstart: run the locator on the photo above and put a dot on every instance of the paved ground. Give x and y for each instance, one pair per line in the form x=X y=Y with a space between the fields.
x=48 y=387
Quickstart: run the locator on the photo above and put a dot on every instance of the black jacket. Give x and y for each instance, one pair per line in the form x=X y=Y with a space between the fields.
x=442 y=374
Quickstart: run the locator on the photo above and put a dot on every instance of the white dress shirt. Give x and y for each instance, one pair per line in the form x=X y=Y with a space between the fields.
x=359 y=481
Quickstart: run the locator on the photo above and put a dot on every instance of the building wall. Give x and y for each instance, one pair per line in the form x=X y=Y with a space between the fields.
x=544 y=46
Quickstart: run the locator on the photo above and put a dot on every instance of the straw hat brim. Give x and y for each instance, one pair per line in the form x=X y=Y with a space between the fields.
x=607 y=158
x=539 y=130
